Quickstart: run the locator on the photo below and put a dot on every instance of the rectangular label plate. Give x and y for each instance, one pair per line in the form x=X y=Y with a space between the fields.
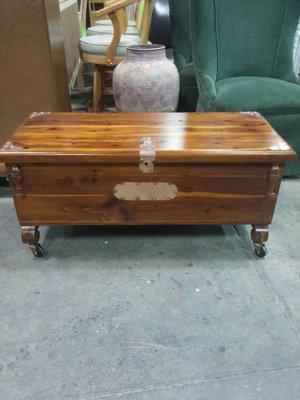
x=155 y=191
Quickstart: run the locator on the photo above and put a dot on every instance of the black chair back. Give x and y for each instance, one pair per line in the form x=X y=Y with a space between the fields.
x=160 y=29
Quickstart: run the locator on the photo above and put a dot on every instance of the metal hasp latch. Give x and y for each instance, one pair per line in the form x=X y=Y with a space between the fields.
x=147 y=155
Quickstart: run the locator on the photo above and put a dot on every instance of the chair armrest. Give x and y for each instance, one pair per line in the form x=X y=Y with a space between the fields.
x=112 y=48
x=114 y=7
x=112 y=10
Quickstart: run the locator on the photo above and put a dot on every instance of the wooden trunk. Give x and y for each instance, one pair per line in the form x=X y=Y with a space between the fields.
x=142 y=169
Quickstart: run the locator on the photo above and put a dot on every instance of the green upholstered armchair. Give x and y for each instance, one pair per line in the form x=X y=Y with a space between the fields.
x=243 y=52
x=182 y=53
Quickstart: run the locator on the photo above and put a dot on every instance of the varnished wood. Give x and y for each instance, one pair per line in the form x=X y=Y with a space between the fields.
x=86 y=193
x=179 y=138
x=107 y=210
x=226 y=168
x=98 y=179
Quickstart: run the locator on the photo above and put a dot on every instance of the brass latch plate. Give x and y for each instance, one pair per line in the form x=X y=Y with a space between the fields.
x=154 y=191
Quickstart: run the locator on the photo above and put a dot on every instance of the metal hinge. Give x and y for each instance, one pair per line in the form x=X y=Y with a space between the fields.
x=147 y=155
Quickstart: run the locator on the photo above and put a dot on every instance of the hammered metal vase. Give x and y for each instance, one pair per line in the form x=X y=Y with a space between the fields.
x=146 y=81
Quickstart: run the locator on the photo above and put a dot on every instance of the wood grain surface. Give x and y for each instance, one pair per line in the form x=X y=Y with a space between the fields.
x=115 y=138
x=107 y=210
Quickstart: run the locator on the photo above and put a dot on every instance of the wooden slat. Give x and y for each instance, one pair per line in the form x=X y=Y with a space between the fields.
x=201 y=180
x=103 y=210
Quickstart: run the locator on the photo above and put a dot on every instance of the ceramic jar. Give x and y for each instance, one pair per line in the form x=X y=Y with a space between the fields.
x=146 y=81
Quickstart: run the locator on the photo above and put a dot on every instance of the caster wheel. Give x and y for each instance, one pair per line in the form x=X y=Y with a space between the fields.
x=261 y=250
x=38 y=251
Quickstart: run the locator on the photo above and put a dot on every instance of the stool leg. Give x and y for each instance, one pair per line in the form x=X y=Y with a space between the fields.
x=97 y=88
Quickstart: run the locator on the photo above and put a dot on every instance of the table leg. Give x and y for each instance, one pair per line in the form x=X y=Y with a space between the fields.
x=259 y=235
x=31 y=236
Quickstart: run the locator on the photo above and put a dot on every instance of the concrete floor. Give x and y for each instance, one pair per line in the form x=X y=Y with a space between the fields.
x=144 y=313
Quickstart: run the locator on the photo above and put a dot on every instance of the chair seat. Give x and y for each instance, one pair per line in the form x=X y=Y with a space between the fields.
x=98 y=44
x=108 y=22
x=268 y=96
x=108 y=29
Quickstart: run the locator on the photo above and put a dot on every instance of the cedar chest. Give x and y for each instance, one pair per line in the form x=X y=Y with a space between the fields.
x=140 y=169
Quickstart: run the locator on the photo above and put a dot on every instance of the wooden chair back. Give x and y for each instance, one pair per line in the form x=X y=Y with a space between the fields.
x=143 y=16
x=94 y=6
